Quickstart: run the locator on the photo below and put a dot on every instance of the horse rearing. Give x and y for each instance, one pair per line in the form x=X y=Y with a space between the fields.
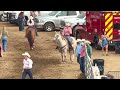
x=30 y=35
x=64 y=47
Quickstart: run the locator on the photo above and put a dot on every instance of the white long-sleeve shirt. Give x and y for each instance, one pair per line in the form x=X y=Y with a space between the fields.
x=27 y=64
x=30 y=24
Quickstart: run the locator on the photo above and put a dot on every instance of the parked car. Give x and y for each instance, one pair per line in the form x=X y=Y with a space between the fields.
x=44 y=13
x=5 y=15
x=53 y=19
x=14 y=17
x=80 y=19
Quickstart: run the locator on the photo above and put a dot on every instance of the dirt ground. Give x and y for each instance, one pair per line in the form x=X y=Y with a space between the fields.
x=46 y=59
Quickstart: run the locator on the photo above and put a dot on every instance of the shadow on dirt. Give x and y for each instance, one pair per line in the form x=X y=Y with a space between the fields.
x=81 y=76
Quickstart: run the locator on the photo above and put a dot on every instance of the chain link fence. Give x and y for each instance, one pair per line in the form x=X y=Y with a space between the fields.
x=88 y=66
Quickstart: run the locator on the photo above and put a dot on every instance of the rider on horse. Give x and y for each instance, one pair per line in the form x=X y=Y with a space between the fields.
x=67 y=31
x=30 y=24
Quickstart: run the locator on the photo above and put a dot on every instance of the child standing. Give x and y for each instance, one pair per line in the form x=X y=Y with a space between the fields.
x=4 y=36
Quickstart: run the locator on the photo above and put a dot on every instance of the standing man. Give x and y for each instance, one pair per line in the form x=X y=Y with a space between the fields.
x=82 y=56
x=78 y=50
x=27 y=66
x=21 y=21
x=89 y=48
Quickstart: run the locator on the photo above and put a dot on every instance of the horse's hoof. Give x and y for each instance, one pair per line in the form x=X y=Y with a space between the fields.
x=72 y=61
x=31 y=49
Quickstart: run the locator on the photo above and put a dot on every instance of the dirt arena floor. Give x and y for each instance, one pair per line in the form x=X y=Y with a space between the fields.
x=46 y=59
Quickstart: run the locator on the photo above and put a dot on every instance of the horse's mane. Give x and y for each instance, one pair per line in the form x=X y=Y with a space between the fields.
x=61 y=41
x=30 y=33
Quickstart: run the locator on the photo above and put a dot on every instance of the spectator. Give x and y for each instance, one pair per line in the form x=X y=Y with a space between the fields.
x=36 y=13
x=82 y=56
x=89 y=48
x=27 y=66
x=32 y=13
x=4 y=36
x=78 y=49
x=104 y=44
x=21 y=21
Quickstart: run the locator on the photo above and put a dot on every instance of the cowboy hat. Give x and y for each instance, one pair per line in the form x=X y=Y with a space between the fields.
x=68 y=24
x=31 y=17
x=26 y=54
x=78 y=40
x=87 y=42
x=83 y=40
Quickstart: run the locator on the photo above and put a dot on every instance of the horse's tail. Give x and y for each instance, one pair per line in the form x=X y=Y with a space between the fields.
x=30 y=38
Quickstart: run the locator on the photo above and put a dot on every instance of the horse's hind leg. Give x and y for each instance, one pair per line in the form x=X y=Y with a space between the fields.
x=71 y=56
x=30 y=43
x=65 y=55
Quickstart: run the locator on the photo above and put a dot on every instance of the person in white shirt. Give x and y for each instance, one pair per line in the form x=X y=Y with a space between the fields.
x=27 y=66
x=31 y=24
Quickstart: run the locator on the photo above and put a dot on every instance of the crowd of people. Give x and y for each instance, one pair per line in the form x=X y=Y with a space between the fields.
x=82 y=45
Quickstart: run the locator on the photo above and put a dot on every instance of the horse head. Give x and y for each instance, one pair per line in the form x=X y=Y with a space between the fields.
x=57 y=35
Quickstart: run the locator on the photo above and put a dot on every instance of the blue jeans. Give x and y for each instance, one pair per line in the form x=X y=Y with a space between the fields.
x=69 y=40
x=27 y=71
x=78 y=59
x=21 y=25
x=82 y=65
x=4 y=44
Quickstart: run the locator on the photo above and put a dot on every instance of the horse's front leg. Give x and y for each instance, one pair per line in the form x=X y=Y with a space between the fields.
x=65 y=55
x=33 y=45
x=62 y=56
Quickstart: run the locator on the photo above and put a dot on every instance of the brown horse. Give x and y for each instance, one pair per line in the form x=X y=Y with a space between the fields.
x=30 y=35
